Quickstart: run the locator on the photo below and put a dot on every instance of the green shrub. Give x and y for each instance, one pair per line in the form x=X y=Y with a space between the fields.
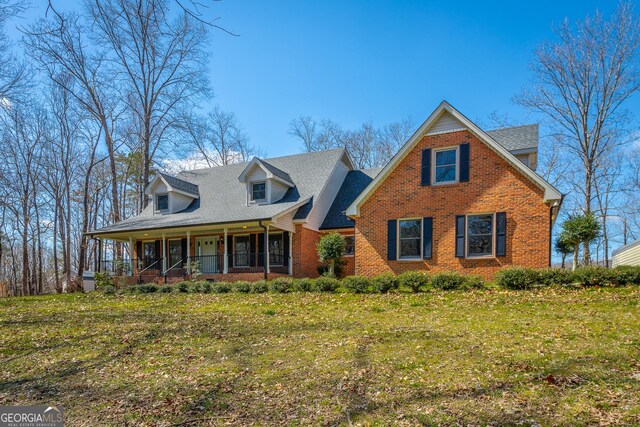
x=555 y=277
x=385 y=282
x=241 y=287
x=220 y=287
x=594 y=276
x=357 y=284
x=281 y=284
x=147 y=288
x=183 y=287
x=303 y=285
x=448 y=281
x=326 y=284
x=108 y=289
x=165 y=289
x=259 y=287
x=102 y=279
x=474 y=282
x=518 y=278
x=414 y=280
x=627 y=275
x=200 y=286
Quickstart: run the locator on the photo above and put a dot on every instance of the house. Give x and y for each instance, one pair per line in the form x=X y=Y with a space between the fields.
x=626 y=255
x=453 y=198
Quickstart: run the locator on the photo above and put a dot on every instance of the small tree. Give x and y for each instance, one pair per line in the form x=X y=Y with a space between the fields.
x=580 y=229
x=564 y=248
x=330 y=249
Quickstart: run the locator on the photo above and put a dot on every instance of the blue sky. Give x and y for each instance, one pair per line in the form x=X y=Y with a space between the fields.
x=379 y=61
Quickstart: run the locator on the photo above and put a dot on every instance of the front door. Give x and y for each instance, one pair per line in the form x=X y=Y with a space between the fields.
x=206 y=251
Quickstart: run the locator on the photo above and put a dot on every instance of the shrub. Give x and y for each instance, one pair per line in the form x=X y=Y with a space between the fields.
x=183 y=287
x=303 y=285
x=385 y=282
x=108 y=289
x=594 y=276
x=448 y=281
x=518 y=278
x=165 y=289
x=330 y=249
x=259 y=287
x=102 y=280
x=474 y=282
x=220 y=287
x=414 y=280
x=241 y=287
x=281 y=284
x=627 y=275
x=326 y=284
x=148 y=288
x=555 y=277
x=357 y=284
x=200 y=286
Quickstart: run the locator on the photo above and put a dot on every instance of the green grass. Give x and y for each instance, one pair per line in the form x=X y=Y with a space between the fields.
x=549 y=357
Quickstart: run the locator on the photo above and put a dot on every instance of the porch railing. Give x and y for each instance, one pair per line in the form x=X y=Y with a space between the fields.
x=240 y=263
x=118 y=267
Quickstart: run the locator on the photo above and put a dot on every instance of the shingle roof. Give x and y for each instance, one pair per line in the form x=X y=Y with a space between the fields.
x=223 y=198
x=517 y=138
x=277 y=172
x=355 y=182
x=180 y=184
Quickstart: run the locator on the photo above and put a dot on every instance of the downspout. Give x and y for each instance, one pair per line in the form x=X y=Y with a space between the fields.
x=265 y=249
x=552 y=218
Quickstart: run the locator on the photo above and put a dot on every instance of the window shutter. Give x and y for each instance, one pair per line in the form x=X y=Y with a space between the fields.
x=260 y=249
x=183 y=242
x=426 y=167
x=464 y=163
x=139 y=253
x=230 y=250
x=391 y=240
x=285 y=248
x=460 y=223
x=158 y=249
x=252 y=248
x=501 y=234
x=427 y=237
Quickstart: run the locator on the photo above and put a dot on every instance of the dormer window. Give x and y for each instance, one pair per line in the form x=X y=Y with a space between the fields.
x=258 y=191
x=162 y=202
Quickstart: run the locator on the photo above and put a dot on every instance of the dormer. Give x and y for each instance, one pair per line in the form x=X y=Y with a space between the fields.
x=265 y=183
x=169 y=194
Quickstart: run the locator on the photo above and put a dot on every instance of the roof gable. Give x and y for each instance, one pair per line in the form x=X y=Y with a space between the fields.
x=173 y=184
x=272 y=172
x=448 y=118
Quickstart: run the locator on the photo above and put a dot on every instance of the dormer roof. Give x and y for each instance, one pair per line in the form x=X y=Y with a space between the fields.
x=271 y=171
x=174 y=184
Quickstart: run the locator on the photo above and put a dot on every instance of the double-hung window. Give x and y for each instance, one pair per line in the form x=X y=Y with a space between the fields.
x=349 y=246
x=480 y=235
x=410 y=238
x=258 y=191
x=276 y=249
x=242 y=250
x=445 y=166
x=162 y=202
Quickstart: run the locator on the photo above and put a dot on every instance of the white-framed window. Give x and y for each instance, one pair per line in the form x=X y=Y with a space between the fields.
x=349 y=245
x=410 y=238
x=445 y=165
x=481 y=235
x=258 y=191
x=162 y=202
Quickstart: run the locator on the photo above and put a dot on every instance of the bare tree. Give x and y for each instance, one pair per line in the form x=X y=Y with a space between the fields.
x=12 y=68
x=582 y=83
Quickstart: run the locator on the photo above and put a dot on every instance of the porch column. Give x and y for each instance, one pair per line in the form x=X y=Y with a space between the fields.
x=188 y=252
x=100 y=254
x=290 y=253
x=267 y=268
x=225 y=261
x=130 y=256
x=164 y=254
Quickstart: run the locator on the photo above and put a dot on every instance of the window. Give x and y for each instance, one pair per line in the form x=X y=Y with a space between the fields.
x=162 y=202
x=149 y=253
x=276 y=249
x=480 y=235
x=175 y=253
x=242 y=251
x=410 y=238
x=258 y=191
x=445 y=167
x=349 y=245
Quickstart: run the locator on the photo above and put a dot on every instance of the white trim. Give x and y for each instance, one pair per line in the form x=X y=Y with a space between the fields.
x=251 y=184
x=148 y=192
x=256 y=161
x=494 y=235
x=398 y=255
x=434 y=152
x=156 y=208
x=550 y=193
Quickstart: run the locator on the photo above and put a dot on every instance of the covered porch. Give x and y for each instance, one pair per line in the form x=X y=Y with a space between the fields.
x=248 y=251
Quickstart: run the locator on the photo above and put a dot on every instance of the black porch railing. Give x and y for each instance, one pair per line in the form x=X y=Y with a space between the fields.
x=118 y=267
x=239 y=263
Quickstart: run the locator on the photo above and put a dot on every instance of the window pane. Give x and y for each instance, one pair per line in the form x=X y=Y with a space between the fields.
x=480 y=245
x=410 y=248
x=258 y=191
x=175 y=252
x=163 y=202
x=447 y=157
x=445 y=173
x=275 y=249
x=480 y=224
x=410 y=229
x=149 y=249
x=242 y=250
x=349 y=245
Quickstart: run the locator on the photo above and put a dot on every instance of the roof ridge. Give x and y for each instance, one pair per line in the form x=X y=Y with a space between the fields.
x=513 y=127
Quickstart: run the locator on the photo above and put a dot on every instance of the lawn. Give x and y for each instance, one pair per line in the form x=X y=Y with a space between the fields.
x=528 y=358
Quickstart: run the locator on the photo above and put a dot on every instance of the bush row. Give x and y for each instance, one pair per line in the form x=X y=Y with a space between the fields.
x=411 y=281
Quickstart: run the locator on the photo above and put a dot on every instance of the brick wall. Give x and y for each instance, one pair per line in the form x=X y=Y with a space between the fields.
x=494 y=186
x=305 y=255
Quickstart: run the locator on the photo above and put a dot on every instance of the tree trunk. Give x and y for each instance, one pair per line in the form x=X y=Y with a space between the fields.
x=576 y=254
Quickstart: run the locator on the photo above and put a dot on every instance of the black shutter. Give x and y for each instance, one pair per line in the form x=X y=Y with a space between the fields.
x=427 y=237
x=501 y=234
x=285 y=249
x=260 y=249
x=460 y=224
x=183 y=243
x=158 y=251
x=139 y=253
x=464 y=163
x=426 y=167
x=391 y=240
x=230 y=250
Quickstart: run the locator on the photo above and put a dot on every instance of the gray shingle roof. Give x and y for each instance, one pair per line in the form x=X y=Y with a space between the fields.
x=355 y=182
x=277 y=172
x=223 y=197
x=180 y=184
x=517 y=138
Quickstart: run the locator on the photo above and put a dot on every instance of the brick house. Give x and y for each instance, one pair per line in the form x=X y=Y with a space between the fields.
x=454 y=197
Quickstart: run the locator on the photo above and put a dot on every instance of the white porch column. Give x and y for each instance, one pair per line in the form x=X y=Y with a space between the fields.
x=290 y=253
x=188 y=252
x=130 y=255
x=266 y=251
x=225 y=261
x=164 y=254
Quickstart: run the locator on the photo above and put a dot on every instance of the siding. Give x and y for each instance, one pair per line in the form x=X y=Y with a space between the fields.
x=323 y=202
x=629 y=255
x=178 y=202
x=285 y=222
x=278 y=190
x=446 y=123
